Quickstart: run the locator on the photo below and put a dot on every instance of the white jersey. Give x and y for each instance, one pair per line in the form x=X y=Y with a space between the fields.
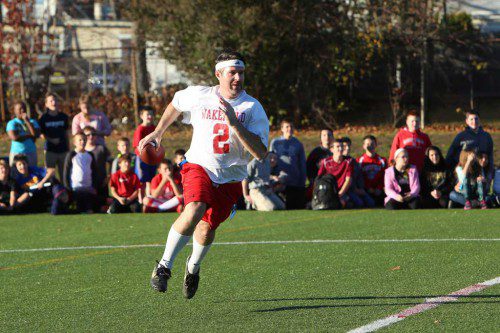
x=214 y=145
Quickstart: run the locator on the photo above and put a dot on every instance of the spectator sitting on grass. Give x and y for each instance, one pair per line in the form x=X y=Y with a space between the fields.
x=93 y=118
x=402 y=185
x=23 y=131
x=470 y=181
x=54 y=126
x=101 y=155
x=125 y=186
x=277 y=179
x=435 y=180
x=80 y=175
x=373 y=169
x=484 y=163
x=292 y=160
x=123 y=146
x=32 y=183
x=357 y=193
x=8 y=191
x=473 y=137
x=413 y=140
x=166 y=190
x=257 y=188
x=342 y=169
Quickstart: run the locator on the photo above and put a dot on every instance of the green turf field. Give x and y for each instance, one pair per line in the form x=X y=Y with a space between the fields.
x=244 y=287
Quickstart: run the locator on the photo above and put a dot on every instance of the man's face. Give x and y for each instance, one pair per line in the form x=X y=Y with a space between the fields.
x=326 y=138
x=147 y=117
x=287 y=130
x=123 y=147
x=22 y=167
x=231 y=79
x=413 y=123
x=336 y=149
x=369 y=145
x=472 y=121
x=79 y=141
x=50 y=103
x=346 y=148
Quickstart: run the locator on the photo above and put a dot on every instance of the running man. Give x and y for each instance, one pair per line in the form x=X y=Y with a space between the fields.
x=228 y=127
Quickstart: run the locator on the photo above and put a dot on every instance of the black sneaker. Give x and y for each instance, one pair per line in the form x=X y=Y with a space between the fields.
x=159 y=278
x=190 y=282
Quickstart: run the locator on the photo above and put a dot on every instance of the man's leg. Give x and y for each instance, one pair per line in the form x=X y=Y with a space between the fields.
x=181 y=231
x=178 y=236
x=202 y=240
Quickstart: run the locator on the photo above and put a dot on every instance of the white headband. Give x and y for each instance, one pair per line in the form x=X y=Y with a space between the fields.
x=400 y=150
x=229 y=63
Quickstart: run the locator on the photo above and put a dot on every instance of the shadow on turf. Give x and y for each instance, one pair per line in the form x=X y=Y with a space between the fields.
x=420 y=297
x=312 y=307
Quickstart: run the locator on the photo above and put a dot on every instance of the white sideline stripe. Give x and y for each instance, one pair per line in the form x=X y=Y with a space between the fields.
x=429 y=304
x=132 y=246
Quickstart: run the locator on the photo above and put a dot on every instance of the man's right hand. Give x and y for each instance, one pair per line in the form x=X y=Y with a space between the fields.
x=155 y=136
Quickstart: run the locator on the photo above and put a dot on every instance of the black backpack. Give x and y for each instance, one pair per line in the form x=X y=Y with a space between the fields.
x=325 y=193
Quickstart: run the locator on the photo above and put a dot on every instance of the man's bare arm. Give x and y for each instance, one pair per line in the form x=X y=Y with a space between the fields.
x=250 y=141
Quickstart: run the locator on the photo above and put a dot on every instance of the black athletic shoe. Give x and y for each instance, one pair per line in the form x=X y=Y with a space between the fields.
x=190 y=282
x=160 y=277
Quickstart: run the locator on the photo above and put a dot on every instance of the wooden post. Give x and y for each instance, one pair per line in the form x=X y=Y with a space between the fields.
x=66 y=80
x=134 y=92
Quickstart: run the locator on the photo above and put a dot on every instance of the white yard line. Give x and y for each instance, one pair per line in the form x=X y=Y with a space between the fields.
x=429 y=304
x=311 y=241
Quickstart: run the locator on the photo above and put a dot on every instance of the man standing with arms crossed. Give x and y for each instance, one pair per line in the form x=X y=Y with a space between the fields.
x=228 y=127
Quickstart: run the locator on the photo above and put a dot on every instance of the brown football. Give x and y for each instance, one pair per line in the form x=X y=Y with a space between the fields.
x=151 y=154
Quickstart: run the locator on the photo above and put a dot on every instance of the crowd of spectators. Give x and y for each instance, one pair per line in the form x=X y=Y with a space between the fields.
x=81 y=176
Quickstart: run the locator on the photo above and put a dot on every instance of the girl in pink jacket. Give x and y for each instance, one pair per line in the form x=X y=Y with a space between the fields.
x=401 y=184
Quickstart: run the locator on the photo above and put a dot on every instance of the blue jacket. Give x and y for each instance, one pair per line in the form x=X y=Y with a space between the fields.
x=480 y=141
x=291 y=159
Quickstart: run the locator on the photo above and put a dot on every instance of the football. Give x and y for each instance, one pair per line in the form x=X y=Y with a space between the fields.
x=152 y=154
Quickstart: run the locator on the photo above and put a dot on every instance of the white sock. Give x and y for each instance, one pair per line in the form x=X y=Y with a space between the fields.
x=199 y=252
x=169 y=204
x=175 y=243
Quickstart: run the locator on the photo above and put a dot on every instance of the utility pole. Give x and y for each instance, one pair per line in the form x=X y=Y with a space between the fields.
x=133 y=87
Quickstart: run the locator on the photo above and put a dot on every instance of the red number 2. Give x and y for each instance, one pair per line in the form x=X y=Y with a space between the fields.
x=221 y=132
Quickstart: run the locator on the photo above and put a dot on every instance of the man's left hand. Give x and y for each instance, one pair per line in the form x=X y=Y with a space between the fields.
x=228 y=111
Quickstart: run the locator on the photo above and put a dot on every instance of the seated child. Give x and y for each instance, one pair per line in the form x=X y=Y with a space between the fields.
x=125 y=186
x=166 y=191
x=8 y=191
x=32 y=183
x=470 y=181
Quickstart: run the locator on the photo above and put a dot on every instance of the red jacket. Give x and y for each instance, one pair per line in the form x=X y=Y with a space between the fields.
x=416 y=143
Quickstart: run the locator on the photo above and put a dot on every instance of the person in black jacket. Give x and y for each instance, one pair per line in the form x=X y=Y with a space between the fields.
x=80 y=175
x=435 y=180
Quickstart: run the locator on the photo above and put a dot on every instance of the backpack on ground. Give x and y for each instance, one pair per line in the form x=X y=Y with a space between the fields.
x=325 y=193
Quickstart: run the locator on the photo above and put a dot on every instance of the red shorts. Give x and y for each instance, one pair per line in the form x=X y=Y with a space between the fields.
x=220 y=198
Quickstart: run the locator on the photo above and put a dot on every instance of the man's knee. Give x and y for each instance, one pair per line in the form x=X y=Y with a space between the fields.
x=204 y=234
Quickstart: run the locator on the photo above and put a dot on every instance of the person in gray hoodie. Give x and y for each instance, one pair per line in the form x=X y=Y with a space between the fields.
x=473 y=137
x=292 y=160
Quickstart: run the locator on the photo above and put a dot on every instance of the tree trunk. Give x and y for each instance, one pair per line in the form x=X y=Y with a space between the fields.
x=395 y=90
x=139 y=48
x=423 y=84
